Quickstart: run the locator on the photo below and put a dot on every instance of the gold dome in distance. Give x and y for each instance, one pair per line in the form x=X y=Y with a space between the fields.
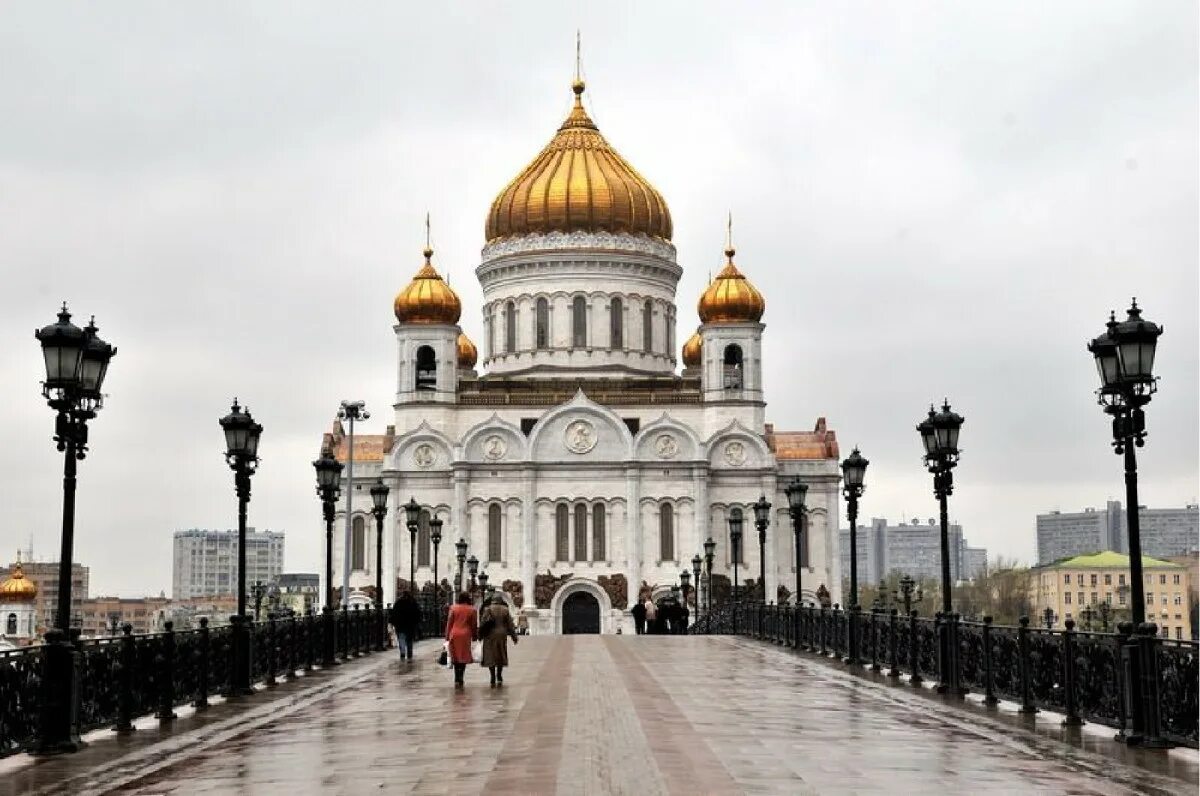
x=578 y=182
x=731 y=298
x=427 y=299
x=18 y=588
x=692 y=350
x=468 y=355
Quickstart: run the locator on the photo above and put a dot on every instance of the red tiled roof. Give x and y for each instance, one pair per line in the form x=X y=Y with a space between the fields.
x=820 y=443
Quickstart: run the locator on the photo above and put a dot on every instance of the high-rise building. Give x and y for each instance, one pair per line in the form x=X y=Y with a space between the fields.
x=1164 y=532
x=44 y=575
x=205 y=562
x=910 y=548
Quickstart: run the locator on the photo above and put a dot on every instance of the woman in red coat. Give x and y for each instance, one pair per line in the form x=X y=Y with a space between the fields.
x=461 y=627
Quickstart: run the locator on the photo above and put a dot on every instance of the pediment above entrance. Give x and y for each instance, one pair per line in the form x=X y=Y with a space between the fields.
x=423 y=448
x=580 y=431
x=494 y=441
x=736 y=447
x=667 y=440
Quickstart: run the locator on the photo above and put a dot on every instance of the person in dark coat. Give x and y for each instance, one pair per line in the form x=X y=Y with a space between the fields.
x=406 y=620
x=639 y=618
x=495 y=629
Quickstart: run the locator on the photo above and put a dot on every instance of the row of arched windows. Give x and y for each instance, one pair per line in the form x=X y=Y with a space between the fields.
x=579 y=325
x=572 y=524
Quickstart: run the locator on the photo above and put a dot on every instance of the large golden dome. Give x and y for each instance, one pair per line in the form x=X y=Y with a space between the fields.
x=427 y=299
x=468 y=355
x=578 y=182
x=730 y=298
x=18 y=588
x=692 y=350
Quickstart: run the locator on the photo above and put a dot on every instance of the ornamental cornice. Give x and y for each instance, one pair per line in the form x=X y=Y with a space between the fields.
x=593 y=241
x=539 y=267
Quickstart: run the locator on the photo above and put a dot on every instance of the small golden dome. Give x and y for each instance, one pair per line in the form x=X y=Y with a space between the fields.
x=578 y=182
x=427 y=299
x=467 y=353
x=18 y=588
x=692 y=350
x=730 y=298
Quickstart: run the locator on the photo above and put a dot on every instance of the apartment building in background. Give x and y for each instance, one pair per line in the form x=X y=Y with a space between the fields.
x=910 y=548
x=205 y=562
x=1164 y=532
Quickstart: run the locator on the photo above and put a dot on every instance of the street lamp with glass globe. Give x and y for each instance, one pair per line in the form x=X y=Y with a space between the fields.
x=412 y=520
x=379 y=500
x=854 y=469
x=796 y=492
x=329 y=488
x=76 y=363
x=435 y=536
x=710 y=548
x=460 y=555
x=762 y=519
x=696 y=562
x=241 y=453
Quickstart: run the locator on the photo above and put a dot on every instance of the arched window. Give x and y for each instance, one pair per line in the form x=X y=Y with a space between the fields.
x=666 y=532
x=599 y=552
x=616 y=319
x=580 y=532
x=510 y=327
x=494 y=532
x=10 y=625
x=735 y=550
x=426 y=368
x=648 y=326
x=733 y=367
x=579 y=322
x=542 y=323
x=358 y=544
x=562 y=534
x=423 y=539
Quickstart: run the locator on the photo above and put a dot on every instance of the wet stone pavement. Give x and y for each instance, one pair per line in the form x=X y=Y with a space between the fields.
x=601 y=715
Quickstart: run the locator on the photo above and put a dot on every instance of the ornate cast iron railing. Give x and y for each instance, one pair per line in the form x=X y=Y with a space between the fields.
x=127 y=677
x=1080 y=675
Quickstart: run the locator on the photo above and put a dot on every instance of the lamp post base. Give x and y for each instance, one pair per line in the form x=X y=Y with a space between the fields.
x=58 y=720
x=239 y=678
x=328 y=639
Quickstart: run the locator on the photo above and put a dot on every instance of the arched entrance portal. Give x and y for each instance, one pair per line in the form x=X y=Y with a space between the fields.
x=580 y=613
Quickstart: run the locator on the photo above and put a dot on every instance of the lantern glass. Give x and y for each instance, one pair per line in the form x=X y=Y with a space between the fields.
x=928 y=437
x=735 y=522
x=762 y=511
x=435 y=531
x=412 y=513
x=62 y=348
x=854 y=469
x=460 y=548
x=93 y=361
x=329 y=472
x=379 y=496
x=796 y=491
x=710 y=549
x=1108 y=361
x=252 y=436
x=685 y=579
x=473 y=566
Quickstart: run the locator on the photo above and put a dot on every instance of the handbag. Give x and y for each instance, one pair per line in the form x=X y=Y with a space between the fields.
x=444 y=657
x=477 y=650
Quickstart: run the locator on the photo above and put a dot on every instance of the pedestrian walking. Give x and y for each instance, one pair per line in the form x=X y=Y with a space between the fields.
x=522 y=625
x=462 y=625
x=495 y=629
x=405 y=619
x=651 y=616
x=639 y=618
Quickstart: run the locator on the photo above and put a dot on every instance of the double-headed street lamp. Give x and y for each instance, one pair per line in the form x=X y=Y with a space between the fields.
x=762 y=518
x=1124 y=355
x=909 y=587
x=412 y=519
x=696 y=580
x=483 y=587
x=472 y=570
x=379 y=499
x=709 y=555
x=685 y=580
x=939 y=435
x=352 y=411
x=460 y=555
x=796 y=492
x=76 y=364
x=329 y=488
x=854 y=468
x=435 y=536
x=241 y=453
x=735 y=543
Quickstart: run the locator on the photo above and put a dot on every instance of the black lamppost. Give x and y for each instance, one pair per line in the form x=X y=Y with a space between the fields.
x=710 y=548
x=472 y=570
x=685 y=580
x=379 y=499
x=460 y=555
x=735 y=543
x=1049 y=617
x=762 y=518
x=696 y=580
x=435 y=536
x=909 y=587
x=939 y=434
x=796 y=492
x=258 y=589
x=854 y=468
x=241 y=453
x=76 y=364
x=329 y=487
x=412 y=518
x=1124 y=355
x=483 y=587
x=1106 y=612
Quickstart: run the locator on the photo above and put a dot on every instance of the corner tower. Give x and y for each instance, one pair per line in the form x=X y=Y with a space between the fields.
x=427 y=338
x=730 y=310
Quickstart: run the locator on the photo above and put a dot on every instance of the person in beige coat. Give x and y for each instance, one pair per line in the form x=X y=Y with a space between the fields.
x=495 y=629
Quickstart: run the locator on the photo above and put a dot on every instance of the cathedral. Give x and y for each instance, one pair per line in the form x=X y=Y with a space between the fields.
x=581 y=465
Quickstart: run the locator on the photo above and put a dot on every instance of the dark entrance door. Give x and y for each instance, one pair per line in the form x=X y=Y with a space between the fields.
x=581 y=614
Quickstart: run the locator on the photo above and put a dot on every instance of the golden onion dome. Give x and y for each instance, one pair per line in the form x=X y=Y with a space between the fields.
x=730 y=298
x=18 y=588
x=578 y=182
x=467 y=353
x=427 y=299
x=692 y=350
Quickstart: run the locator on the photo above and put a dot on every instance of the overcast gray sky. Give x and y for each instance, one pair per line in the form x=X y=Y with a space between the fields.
x=936 y=199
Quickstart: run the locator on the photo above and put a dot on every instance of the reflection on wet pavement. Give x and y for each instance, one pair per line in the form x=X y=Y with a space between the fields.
x=615 y=714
